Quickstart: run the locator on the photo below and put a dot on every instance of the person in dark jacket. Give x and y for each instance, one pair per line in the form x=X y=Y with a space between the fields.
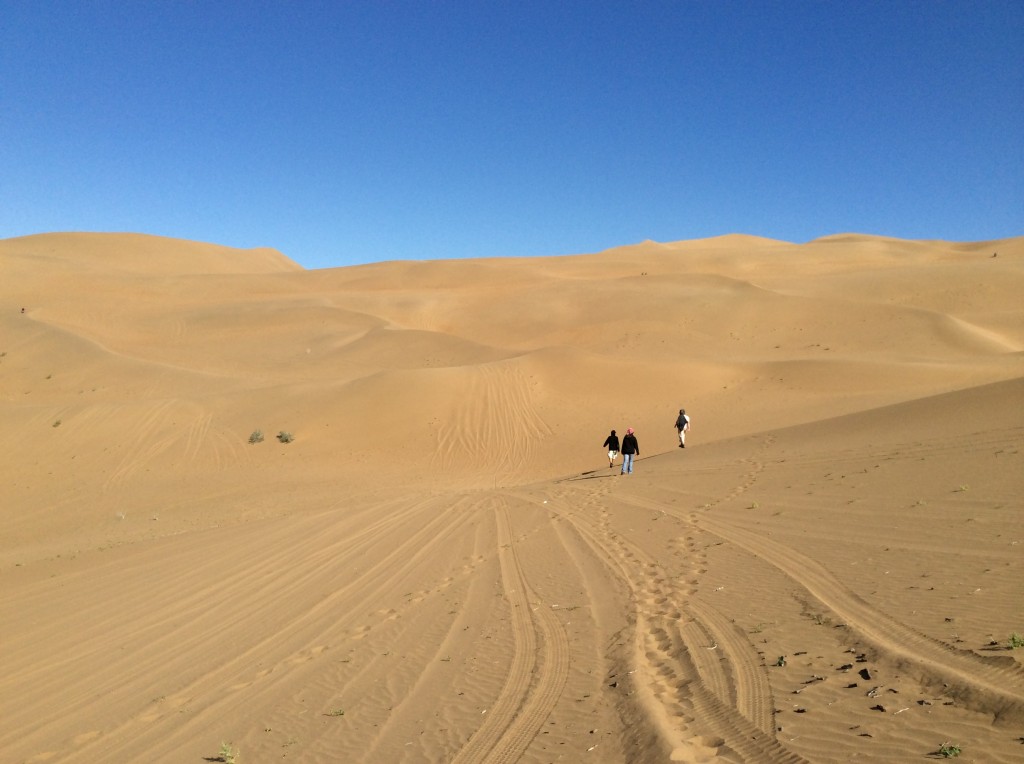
x=682 y=427
x=630 y=449
x=612 y=444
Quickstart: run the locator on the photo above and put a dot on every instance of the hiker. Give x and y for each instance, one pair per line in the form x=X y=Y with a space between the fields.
x=612 y=444
x=682 y=425
x=630 y=449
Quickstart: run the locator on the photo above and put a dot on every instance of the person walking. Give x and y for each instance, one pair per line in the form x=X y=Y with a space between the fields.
x=612 y=444
x=630 y=450
x=682 y=426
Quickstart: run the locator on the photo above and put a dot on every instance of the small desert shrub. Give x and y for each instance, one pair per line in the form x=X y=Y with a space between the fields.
x=57 y=423
x=949 y=751
x=1016 y=640
x=228 y=754
x=256 y=437
x=285 y=437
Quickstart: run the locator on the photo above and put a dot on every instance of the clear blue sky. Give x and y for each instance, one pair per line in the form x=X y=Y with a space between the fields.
x=345 y=132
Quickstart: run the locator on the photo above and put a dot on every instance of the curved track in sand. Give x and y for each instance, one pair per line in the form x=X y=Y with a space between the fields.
x=700 y=682
x=495 y=427
x=530 y=691
x=986 y=684
x=325 y=580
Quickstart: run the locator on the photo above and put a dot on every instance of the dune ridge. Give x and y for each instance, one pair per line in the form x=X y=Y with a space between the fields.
x=440 y=566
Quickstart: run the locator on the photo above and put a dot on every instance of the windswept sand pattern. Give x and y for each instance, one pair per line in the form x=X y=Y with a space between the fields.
x=495 y=428
x=529 y=692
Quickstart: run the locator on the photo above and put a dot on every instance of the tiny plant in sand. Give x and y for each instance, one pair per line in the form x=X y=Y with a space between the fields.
x=228 y=754
x=57 y=423
x=336 y=712
x=256 y=437
x=963 y=488
x=753 y=505
x=949 y=751
x=1016 y=641
x=285 y=437
x=781 y=661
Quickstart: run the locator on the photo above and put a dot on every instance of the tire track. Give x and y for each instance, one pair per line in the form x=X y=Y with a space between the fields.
x=243 y=601
x=520 y=709
x=143 y=449
x=753 y=693
x=263 y=580
x=700 y=683
x=196 y=435
x=984 y=684
x=495 y=416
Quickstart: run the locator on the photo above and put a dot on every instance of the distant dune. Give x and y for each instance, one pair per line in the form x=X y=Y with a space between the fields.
x=365 y=514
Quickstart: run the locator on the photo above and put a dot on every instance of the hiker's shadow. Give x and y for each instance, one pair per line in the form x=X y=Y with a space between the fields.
x=591 y=475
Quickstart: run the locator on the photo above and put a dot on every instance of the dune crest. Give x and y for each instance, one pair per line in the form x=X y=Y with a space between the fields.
x=140 y=253
x=365 y=514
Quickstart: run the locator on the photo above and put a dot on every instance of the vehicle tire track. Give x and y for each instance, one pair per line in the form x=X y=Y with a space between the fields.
x=701 y=684
x=753 y=692
x=196 y=434
x=982 y=683
x=142 y=449
x=520 y=710
x=495 y=416
x=239 y=599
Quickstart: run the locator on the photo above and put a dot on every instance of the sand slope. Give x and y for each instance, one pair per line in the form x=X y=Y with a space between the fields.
x=441 y=567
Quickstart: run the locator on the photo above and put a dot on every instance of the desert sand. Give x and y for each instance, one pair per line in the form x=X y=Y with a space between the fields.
x=440 y=565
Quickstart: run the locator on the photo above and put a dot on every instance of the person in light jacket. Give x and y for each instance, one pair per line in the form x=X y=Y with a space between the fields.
x=682 y=426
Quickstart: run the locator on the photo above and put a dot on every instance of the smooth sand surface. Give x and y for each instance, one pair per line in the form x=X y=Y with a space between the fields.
x=441 y=567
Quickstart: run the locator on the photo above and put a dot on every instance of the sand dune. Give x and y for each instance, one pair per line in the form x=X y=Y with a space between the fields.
x=441 y=567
